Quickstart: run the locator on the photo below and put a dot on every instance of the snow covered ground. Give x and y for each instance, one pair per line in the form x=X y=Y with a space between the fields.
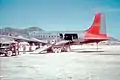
x=82 y=63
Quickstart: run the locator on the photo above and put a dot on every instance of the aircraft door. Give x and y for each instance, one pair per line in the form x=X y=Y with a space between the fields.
x=61 y=35
x=70 y=36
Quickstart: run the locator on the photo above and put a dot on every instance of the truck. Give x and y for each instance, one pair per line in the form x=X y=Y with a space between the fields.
x=9 y=49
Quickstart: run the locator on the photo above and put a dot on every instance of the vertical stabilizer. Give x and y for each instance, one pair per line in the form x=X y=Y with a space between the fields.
x=97 y=29
x=98 y=26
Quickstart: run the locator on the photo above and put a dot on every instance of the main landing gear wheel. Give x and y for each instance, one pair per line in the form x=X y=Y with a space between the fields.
x=9 y=53
x=57 y=50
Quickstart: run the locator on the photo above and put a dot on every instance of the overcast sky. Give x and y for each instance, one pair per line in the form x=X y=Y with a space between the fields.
x=55 y=15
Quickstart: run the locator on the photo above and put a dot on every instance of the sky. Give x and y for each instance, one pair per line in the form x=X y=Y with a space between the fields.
x=55 y=15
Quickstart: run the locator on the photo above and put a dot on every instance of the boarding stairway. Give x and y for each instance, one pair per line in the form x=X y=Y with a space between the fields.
x=46 y=47
x=42 y=48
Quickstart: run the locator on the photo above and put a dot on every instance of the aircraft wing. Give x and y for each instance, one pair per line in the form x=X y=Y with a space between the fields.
x=37 y=40
x=21 y=38
x=62 y=42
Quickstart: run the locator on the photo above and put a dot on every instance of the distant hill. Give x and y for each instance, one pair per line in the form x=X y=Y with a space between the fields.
x=113 y=39
x=31 y=29
x=15 y=32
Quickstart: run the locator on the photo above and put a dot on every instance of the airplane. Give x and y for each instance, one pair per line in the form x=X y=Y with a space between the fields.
x=63 y=39
x=58 y=41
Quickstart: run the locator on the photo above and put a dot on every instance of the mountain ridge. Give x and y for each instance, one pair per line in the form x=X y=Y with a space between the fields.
x=15 y=31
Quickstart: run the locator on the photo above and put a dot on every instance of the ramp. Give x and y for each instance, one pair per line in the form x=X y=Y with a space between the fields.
x=48 y=46
x=42 y=49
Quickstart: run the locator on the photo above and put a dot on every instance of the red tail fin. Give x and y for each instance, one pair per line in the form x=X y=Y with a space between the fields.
x=97 y=29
